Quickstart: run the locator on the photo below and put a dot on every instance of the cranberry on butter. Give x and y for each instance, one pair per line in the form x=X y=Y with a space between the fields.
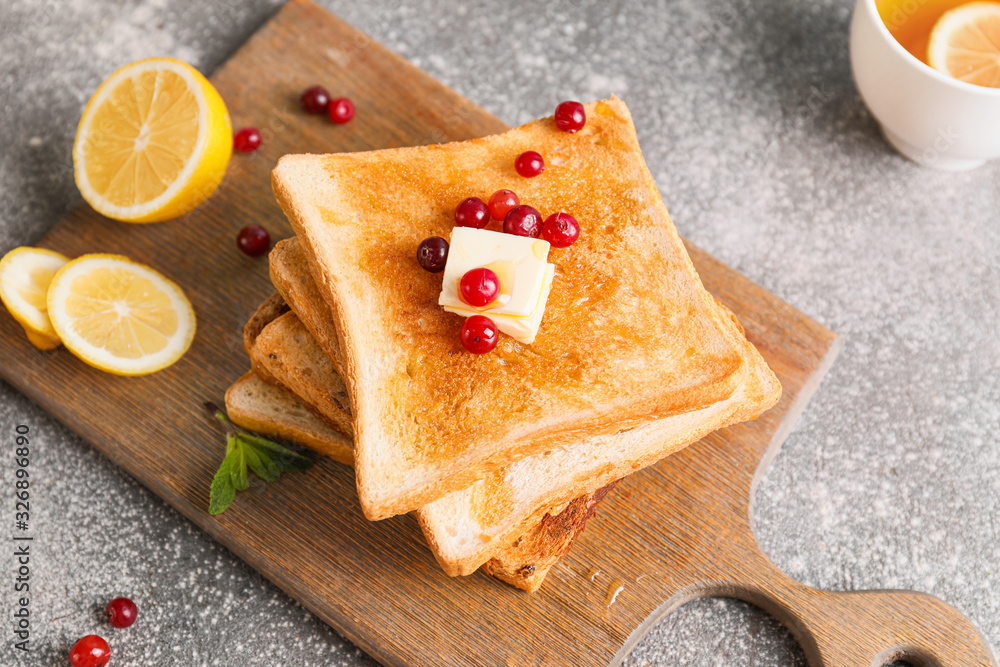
x=479 y=287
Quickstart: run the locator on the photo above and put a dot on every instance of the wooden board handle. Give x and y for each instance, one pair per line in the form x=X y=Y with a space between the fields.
x=868 y=628
x=834 y=629
x=877 y=627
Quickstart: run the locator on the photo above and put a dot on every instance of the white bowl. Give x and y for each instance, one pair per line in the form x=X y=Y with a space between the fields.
x=929 y=117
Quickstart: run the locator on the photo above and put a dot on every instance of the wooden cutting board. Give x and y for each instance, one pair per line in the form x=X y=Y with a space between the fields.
x=671 y=533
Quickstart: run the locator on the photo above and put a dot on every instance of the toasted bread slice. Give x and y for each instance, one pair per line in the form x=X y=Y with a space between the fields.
x=273 y=307
x=285 y=354
x=629 y=333
x=291 y=277
x=268 y=410
x=528 y=559
x=508 y=499
x=464 y=526
x=269 y=348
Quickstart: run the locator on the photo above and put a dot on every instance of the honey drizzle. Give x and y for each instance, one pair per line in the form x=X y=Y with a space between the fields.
x=614 y=588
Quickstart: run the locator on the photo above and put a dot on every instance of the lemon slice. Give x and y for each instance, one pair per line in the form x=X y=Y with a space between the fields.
x=43 y=343
x=25 y=274
x=965 y=44
x=153 y=142
x=120 y=316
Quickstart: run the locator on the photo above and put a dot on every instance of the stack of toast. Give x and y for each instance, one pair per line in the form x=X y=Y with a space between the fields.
x=502 y=456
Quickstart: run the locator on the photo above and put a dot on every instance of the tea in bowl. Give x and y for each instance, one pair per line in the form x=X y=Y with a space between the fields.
x=936 y=116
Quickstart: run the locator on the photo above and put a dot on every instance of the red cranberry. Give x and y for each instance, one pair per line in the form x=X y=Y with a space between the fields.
x=472 y=212
x=570 y=116
x=560 y=229
x=432 y=254
x=254 y=240
x=523 y=220
x=121 y=612
x=315 y=100
x=529 y=164
x=341 y=110
x=90 y=651
x=479 y=335
x=246 y=140
x=479 y=287
x=501 y=202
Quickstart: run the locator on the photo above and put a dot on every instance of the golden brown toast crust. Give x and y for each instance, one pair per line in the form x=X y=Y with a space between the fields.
x=285 y=354
x=269 y=368
x=529 y=558
x=272 y=308
x=245 y=404
x=629 y=333
x=288 y=264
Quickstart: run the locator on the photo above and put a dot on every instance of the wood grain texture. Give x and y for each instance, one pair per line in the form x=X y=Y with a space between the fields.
x=673 y=532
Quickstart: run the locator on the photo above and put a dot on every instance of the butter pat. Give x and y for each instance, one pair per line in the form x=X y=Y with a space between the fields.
x=520 y=264
x=518 y=261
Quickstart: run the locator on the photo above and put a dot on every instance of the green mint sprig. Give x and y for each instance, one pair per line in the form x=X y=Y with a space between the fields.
x=265 y=458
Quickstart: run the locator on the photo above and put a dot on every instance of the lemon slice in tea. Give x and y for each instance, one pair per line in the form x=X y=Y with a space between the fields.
x=965 y=44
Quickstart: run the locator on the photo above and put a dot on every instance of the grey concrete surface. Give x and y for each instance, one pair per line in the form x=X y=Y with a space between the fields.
x=766 y=157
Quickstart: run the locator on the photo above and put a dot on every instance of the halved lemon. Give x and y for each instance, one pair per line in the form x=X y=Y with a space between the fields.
x=153 y=142
x=25 y=274
x=120 y=316
x=965 y=44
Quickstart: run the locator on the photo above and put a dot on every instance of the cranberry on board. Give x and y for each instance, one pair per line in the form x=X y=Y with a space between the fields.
x=246 y=140
x=529 y=164
x=90 y=651
x=341 y=110
x=472 y=212
x=560 y=229
x=570 y=116
x=501 y=202
x=479 y=334
x=121 y=612
x=479 y=287
x=432 y=254
x=254 y=240
x=523 y=220
x=315 y=100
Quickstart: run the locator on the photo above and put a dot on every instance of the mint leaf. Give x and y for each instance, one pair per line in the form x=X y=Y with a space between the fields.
x=223 y=490
x=261 y=463
x=284 y=458
x=240 y=479
x=267 y=459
